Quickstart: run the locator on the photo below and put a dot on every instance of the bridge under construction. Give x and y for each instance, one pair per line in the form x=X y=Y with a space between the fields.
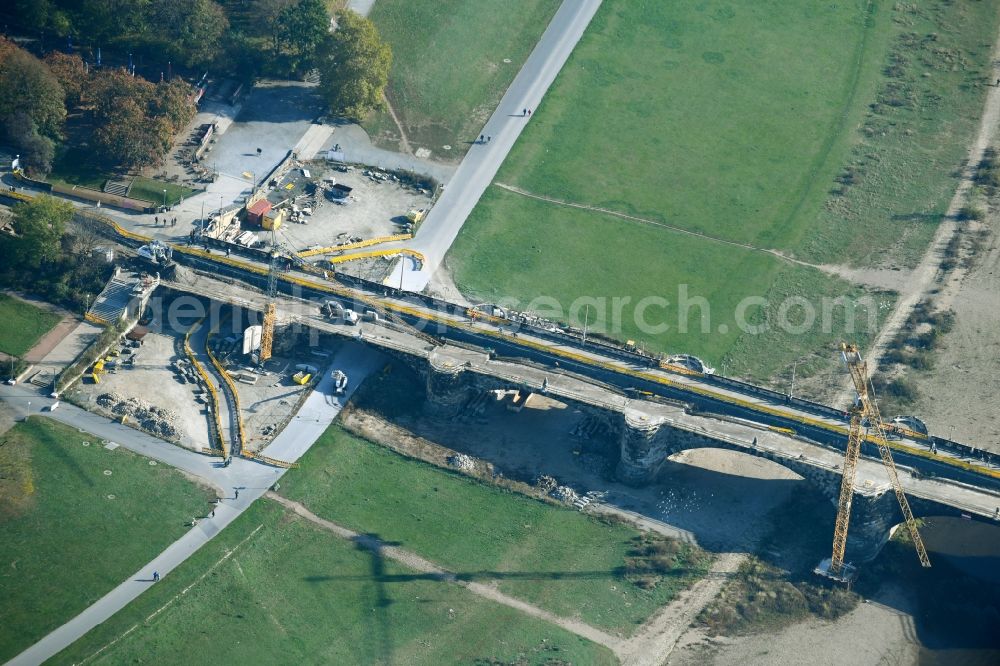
x=657 y=408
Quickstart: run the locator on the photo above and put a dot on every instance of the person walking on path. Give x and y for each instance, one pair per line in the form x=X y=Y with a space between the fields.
x=237 y=496
x=156 y=576
x=524 y=112
x=482 y=138
x=488 y=139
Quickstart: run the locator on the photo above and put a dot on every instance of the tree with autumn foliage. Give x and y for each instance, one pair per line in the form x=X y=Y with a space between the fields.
x=71 y=73
x=32 y=106
x=354 y=67
x=135 y=120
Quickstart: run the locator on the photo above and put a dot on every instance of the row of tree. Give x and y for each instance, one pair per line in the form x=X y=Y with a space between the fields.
x=188 y=32
x=42 y=258
x=132 y=121
x=246 y=37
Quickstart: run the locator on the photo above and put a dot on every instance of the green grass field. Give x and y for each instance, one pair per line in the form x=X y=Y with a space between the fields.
x=75 y=165
x=24 y=325
x=747 y=123
x=293 y=593
x=449 y=70
x=559 y=559
x=152 y=190
x=71 y=531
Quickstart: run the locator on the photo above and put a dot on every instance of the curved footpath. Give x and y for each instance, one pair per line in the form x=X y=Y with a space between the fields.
x=251 y=478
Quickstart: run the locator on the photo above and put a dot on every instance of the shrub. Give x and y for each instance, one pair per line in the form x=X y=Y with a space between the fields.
x=970 y=212
x=902 y=388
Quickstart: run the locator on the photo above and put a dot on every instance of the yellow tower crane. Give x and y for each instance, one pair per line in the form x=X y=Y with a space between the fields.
x=865 y=411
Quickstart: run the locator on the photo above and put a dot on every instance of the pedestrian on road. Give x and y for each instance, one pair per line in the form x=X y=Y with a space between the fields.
x=212 y=515
x=156 y=220
x=488 y=139
x=237 y=494
x=529 y=113
x=482 y=139
x=173 y=222
x=524 y=112
x=156 y=576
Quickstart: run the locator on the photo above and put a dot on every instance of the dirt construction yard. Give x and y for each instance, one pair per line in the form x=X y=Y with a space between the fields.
x=267 y=404
x=151 y=384
x=374 y=208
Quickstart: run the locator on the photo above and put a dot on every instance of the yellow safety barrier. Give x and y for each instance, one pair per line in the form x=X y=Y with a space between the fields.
x=211 y=388
x=377 y=253
x=95 y=319
x=354 y=246
x=17 y=196
x=272 y=461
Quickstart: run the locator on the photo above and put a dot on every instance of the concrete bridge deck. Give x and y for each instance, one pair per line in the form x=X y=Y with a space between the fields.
x=669 y=428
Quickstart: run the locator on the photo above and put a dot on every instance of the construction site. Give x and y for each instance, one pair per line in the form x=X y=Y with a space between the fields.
x=324 y=217
x=250 y=314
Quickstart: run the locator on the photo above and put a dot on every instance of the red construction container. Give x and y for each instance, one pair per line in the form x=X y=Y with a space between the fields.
x=256 y=212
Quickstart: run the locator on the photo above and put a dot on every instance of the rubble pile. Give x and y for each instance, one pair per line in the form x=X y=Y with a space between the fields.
x=564 y=494
x=462 y=461
x=545 y=483
x=154 y=420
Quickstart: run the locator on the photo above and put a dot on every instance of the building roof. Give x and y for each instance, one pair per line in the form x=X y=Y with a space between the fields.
x=260 y=207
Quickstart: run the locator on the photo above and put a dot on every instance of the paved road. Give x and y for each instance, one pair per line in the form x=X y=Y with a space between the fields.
x=251 y=478
x=481 y=163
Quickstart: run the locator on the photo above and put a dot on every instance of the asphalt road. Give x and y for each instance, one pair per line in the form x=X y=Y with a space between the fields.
x=251 y=478
x=482 y=162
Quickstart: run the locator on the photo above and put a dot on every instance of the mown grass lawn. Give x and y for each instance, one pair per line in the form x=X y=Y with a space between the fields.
x=290 y=592
x=559 y=559
x=152 y=190
x=24 y=325
x=450 y=66
x=723 y=117
x=614 y=271
x=69 y=531
x=827 y=132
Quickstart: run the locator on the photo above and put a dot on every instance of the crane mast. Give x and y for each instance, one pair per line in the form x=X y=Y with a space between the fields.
x=267 y=329
x=865 y=411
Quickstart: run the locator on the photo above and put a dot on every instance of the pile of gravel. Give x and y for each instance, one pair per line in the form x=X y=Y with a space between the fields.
x=462 y=461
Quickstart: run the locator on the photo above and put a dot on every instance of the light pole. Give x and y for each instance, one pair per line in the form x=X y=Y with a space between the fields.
x=791 y=389
x=164 y=198
x=586 y=321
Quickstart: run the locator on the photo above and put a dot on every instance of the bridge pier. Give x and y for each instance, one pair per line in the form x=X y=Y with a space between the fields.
x=643 y=449
x=873 y=515
x=447 y=388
